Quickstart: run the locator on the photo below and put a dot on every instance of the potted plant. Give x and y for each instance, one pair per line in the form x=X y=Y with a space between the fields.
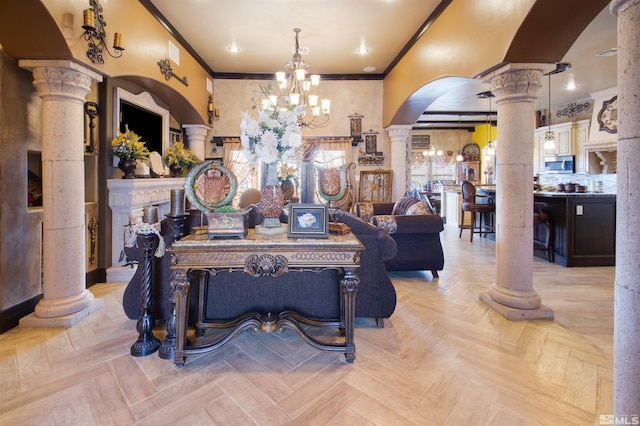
x=179 y=159
x=130 y=149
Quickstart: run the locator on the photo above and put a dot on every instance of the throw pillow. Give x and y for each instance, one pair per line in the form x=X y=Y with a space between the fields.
x=401 y=206
x=365 y=210
x=386 y=222
x=419 y=208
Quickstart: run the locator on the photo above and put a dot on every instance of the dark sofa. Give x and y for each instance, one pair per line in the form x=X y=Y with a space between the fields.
x=417 y=236
x=311 y=294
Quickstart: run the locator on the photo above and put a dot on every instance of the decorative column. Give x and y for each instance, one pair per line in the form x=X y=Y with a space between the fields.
x=626 y=334
x=62 y=85
x=196 y=136
x=512 y=295
x=400 y=154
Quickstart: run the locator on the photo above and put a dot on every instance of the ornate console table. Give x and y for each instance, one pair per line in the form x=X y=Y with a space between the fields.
x=259 y=256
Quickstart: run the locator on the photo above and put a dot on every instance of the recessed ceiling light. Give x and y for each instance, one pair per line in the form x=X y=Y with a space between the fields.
x=362 y=51
x=369 y=69
x=233 y=49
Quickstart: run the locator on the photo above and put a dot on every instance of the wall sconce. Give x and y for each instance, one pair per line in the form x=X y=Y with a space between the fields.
x=94 y=33
x=213 y=113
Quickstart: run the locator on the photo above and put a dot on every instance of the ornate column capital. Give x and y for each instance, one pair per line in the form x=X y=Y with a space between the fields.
x=618 y=6
x=518 y=82
x=197 y=131
x=61 y=79
x=398 y=133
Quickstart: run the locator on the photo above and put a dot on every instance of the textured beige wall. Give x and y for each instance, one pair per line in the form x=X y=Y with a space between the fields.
x=20 y=227
x=233 y=97
x=145 y=41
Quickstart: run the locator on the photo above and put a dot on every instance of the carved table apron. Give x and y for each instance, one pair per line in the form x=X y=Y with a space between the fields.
x=258 y=255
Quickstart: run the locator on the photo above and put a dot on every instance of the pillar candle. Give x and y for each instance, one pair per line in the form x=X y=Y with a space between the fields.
x=117 y=41
x=89 y=20
x=177 y=202
x=150 y=214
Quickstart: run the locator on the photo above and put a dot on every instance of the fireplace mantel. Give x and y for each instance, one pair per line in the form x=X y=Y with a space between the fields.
x=127 y=198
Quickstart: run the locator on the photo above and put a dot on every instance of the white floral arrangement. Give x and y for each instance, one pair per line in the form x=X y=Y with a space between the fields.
x=274 y=136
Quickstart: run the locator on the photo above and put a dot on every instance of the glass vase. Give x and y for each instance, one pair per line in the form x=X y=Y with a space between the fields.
x=272 y=197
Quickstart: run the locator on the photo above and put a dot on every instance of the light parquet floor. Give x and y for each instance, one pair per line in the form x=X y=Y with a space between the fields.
x=443 y=358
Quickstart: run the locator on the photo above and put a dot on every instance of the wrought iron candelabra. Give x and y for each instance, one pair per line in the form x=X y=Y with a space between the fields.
x=94 y=33
x=147 y=343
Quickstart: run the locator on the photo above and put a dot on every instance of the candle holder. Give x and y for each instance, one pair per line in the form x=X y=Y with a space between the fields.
x=147 y=342
x=178 y=226
x=93 y=24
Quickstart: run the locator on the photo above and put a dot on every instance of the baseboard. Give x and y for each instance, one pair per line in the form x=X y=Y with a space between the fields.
x=9 y=318
x=96 y=276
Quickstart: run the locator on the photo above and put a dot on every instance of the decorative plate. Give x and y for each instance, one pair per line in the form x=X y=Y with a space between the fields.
x=157 y=166
x=473 y=150
x=209 y=186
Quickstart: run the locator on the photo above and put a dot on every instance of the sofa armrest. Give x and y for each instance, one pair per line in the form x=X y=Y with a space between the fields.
x=367 y=232
x=424 y=224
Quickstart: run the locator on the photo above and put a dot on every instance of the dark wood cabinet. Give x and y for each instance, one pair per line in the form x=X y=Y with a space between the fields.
x=585 y=229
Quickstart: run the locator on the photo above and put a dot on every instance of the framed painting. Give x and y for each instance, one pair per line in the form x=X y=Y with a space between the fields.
x=375 y=185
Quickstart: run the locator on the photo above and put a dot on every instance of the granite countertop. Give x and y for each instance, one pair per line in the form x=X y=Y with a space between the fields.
x=571 y=194
x=548 y=193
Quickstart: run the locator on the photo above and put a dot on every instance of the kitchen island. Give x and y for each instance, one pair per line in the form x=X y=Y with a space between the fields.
x=585 y=224
x=585 y=227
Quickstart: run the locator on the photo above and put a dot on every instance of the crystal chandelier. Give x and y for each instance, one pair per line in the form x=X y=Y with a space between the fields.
x=298 y=88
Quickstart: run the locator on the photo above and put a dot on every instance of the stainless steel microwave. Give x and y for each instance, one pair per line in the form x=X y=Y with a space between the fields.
x=560 y=164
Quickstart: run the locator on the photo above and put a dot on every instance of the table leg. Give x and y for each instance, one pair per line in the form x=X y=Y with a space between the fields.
x=177 y=324
x=349 y=288
x=168 y=346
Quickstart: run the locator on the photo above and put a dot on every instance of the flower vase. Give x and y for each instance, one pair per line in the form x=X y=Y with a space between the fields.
x=272 y=198
x=175 y=170
x=128 y=167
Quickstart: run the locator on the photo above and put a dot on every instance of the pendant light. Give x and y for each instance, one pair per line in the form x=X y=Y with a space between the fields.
x=549 y=137
x=459 y=156
x=488 y=155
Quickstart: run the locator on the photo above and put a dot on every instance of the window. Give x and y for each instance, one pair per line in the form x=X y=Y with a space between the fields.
x=326 y=152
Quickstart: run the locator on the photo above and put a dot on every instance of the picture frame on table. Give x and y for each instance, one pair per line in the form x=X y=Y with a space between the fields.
x=308 y=221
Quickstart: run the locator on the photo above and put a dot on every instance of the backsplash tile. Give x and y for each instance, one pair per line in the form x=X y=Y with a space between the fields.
x=549 y=182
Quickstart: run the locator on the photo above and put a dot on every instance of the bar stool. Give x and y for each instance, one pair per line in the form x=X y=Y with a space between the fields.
x=541 y=217
x=469 y=204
